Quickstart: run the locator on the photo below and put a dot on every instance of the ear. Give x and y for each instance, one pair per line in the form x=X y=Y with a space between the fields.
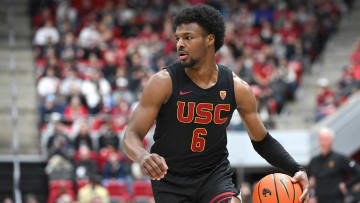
x=210 y=39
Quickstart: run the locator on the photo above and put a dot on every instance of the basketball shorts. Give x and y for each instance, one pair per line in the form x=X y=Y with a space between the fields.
x=215 y=186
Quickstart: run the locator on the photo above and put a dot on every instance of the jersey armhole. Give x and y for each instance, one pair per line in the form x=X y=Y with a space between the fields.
x=171 y=70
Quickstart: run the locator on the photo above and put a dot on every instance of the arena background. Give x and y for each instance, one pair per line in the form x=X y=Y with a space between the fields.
x=71 y=67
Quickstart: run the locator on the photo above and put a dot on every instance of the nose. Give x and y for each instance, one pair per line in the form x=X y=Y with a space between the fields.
x=180 y=44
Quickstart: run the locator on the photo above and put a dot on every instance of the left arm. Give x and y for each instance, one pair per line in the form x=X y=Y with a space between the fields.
x=264 y=144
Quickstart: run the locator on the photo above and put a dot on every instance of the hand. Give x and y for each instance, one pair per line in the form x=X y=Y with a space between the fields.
x=342 y=188
x=301 y=177
x=154 y=166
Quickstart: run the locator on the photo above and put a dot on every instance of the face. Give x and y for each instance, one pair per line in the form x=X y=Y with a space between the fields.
x=192 y=43
x=325 y=141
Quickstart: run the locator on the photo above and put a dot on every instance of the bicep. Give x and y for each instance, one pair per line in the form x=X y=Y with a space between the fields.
x=142 y=118
x=247 y=108
x=152 y=98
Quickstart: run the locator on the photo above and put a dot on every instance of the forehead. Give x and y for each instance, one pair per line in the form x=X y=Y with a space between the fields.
x=189 y=28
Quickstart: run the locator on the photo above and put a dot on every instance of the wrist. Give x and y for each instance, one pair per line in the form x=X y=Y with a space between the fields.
x=141 y=156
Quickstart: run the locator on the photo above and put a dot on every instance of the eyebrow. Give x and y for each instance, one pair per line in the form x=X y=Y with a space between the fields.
x=184 y=33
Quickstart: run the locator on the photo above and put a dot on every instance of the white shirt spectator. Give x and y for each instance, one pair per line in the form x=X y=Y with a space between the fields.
x=46 y=34
x=70 y=85
x=64 y=11
x=93 y=94
x=88 y=36
x=48 y=84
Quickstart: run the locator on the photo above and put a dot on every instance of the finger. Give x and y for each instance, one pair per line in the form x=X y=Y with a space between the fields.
x=163 y=160
x=146 y=171
x=155 y=166
x=150 y=170
x=160 y=161
x=304 y=195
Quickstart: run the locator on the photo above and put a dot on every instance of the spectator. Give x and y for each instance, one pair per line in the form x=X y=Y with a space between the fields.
x=96 y=91
x=93 y=192
x=329 y=170
x=122 y=91
x=8 y=200
x=30 y=198
x=59 y=168
x=48 y=84
x=89 y=36
x=325 y=100
x=85 y=167
x=115 y=168
x=108 y=139
x=110 y=68
x=75 y=110
x=49 y=107
x=120 y=115
x=59 y=143
x=245 y=189
x=71 y=84
x=68 y=49
x=135 y=72
x=64 y=198
x=46 y=35
x=83 y=138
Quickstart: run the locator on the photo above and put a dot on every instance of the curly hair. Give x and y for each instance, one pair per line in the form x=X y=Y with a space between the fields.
x=207 y=17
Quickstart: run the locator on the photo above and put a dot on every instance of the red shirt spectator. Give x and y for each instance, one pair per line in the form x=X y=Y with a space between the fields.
x=75 y=110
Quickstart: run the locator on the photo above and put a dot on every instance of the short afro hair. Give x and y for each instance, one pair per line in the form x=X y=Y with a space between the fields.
x=207 y=17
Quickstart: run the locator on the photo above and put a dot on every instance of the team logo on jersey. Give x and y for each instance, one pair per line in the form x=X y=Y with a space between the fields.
x=222 y=94
x=331 y=164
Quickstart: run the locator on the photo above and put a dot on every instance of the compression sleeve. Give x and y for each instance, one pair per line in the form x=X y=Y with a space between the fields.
x=274 y=153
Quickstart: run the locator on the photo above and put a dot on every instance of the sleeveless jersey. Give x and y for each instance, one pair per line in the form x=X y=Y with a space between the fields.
x=191 y=126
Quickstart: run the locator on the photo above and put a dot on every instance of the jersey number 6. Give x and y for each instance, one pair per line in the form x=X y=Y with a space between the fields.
x=198 y=143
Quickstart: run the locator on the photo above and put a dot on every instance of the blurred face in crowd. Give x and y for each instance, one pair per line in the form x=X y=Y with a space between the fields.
x=192 y=43
x=83 y=130
x=75 y=101
x=84 y=152
x=325 y=141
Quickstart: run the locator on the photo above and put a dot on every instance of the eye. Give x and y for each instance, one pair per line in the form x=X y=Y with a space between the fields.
x=177 y=39
x=188 y=38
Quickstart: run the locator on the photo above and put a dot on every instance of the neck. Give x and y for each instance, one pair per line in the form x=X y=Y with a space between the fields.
x=204 y=69
x=324 y=153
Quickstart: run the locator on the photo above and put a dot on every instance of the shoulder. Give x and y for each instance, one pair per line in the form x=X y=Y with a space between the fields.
x=315 y=158
x=240 y=84
x=339 y=155
x=162 y=77
x=159 y=87
x=243 y=91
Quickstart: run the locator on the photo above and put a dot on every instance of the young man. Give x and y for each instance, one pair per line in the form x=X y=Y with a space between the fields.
x=192 y=102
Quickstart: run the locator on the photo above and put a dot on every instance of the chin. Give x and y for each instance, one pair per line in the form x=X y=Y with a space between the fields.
x=189 y=64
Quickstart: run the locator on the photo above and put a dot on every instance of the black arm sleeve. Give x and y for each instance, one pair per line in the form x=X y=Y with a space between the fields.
x=274 y=153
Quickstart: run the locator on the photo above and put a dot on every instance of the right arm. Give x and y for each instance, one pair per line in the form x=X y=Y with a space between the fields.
x=155 y=94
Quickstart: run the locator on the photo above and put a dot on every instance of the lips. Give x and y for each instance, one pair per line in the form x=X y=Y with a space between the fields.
x=183 y=55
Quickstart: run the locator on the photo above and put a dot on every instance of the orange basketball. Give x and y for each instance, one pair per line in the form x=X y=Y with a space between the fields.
x=276 y=188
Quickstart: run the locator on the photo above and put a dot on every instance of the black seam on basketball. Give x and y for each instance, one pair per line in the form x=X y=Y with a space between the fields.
x=277 y=197
x=283 y=184
x=293 y=190
x=259 y=191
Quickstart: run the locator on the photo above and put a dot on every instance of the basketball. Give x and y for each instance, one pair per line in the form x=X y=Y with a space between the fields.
x=276 y=188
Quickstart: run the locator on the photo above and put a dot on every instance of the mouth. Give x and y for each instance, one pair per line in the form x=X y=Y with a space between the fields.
x=183 y=55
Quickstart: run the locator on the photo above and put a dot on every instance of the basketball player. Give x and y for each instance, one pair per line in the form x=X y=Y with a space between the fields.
x=192 y=102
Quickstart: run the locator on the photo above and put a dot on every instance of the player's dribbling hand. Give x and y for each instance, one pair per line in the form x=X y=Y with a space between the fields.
x=154 y=166
x=302 y=179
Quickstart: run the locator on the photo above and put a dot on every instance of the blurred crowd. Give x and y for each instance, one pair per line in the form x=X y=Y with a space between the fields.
x=93 y=58
x=329 y=98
